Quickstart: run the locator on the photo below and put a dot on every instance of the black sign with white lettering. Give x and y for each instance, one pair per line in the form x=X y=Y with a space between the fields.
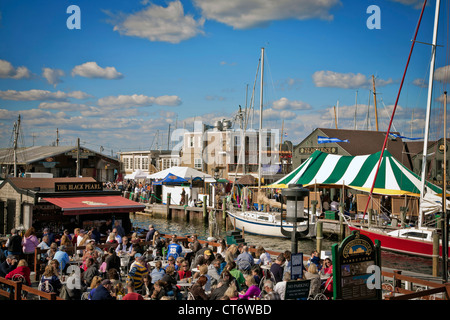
x=297 y=289
x=82 y=186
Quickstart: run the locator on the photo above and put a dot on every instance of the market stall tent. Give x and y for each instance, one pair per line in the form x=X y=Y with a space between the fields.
x=357 y=172
x=182 y=172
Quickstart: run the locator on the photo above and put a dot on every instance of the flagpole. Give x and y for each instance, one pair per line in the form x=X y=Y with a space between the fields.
x=395 y=107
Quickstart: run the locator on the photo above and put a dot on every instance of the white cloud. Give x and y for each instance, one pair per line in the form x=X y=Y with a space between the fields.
x=350 y=80
x=442 y=74
x=35 y=94
x=286 y=104
x=61 y=105
x=417 y=4
x=420 y=83
x=257 y=13
x=93 y=70
x=7 y=70
x=157 y=23
x=53 y=76
x=127 y=101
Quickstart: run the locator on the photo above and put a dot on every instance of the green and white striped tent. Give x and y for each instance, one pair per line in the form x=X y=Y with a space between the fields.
x=357 y=172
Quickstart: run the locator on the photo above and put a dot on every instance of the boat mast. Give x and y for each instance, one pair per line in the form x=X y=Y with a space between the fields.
x=260 y=120
x=375 y=102
x=429 y=99
x=16 y=139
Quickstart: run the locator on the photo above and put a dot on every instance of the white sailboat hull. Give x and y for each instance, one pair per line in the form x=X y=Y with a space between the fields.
x=266 y=224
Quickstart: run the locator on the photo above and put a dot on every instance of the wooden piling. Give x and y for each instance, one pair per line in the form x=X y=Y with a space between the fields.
x=341 y=224
x=435 y=254
x=205 y=211
x=319 y=236
x=224 y=210
x=168 y=213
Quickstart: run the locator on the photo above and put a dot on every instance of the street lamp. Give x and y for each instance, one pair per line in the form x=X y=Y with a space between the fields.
x=295 y=212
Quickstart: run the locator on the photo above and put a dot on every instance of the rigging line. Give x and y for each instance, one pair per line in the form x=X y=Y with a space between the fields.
x=395 y=107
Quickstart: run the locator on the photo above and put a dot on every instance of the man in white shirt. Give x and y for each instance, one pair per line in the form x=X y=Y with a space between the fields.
x=280 y=287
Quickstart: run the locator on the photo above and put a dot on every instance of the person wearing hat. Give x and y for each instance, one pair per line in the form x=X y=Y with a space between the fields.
x=62 y=257
x=104 y=292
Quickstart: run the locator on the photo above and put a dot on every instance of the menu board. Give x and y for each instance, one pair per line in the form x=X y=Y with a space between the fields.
x=296 y=266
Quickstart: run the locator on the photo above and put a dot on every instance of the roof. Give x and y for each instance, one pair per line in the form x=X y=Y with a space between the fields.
x=362 y=142
x=45 y=183
x=32 y=154
x=357 y=172
x=247 y=180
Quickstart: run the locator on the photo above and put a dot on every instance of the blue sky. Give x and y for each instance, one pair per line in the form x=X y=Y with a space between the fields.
x=137 y=66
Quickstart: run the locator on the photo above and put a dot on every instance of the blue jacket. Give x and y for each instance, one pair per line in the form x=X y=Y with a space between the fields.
x=101 y=293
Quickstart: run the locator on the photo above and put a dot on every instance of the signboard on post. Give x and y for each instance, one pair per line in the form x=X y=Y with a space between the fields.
x=353 y=262
x=296 y=266
x=297 y=289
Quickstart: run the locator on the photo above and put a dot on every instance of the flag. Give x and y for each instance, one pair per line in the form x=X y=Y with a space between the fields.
x=399 y=136
x=321 y=139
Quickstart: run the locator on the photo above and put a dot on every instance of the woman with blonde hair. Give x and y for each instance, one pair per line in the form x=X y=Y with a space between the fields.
x=253 y=290
x=96 y=281
x=231 y=292
x=65 y=240
x=22 y=271
x=313 y=275
x=52 y=277
x=231 y=253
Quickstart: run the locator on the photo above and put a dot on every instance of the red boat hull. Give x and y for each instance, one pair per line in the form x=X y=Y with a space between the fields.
x=400 y=245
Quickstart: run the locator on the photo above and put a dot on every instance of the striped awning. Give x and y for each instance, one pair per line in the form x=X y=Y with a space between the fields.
x=357 y=172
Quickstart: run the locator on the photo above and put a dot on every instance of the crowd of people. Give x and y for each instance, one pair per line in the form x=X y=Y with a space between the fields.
x=153 y=267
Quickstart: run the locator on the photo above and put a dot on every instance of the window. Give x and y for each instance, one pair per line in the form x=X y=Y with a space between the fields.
x=237 y=141
x=198 y=163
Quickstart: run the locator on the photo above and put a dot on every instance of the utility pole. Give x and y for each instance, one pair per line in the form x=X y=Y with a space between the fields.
x=57 y=137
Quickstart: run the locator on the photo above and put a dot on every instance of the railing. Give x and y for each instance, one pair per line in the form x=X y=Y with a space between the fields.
x=400 y=288
x=16 y=290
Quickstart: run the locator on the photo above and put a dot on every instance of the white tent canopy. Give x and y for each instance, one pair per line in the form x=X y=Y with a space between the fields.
x=138 y=174
x=183 y=172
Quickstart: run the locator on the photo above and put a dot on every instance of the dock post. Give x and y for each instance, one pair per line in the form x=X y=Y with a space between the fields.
x=435 y=254
x=186 y=214
x=224 y=210
x=341 y=223
x=205 y=212
x=403 y=216
x=168 y=215
x=319 y=235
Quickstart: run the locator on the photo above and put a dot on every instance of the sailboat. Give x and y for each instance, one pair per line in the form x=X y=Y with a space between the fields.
x=267 y=223
x=418 y=240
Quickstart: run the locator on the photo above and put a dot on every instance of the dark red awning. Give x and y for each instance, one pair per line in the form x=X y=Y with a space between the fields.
x=97 y=204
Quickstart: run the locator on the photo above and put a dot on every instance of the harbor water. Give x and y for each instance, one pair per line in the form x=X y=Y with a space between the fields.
x=181 y=227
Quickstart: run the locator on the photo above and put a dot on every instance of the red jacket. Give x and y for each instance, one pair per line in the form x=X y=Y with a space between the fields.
x=22 y=270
